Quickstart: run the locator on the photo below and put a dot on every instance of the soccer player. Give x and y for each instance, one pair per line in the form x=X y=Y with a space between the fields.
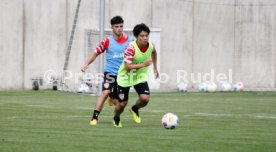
x=139 y=55
x=114 y=47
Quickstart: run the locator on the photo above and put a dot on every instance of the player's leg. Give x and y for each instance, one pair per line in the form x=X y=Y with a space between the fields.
x=120 y=106
x=115 y=99
x=106 y=89
x=144 y=95
x=110 y=99
x=113 y=96
x=99 y=107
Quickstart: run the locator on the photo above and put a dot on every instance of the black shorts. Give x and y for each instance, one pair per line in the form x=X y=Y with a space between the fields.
x=141 y=88
x=110 y=83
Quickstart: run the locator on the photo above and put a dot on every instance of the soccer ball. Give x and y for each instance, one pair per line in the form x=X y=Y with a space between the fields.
x=203 y=87
x=83 y=88
x=239 y=86
x=169 y=121
x=182 y=87
x=225 y=86
x=212 y=87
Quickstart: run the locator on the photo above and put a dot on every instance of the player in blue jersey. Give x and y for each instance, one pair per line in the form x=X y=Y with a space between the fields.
x=114 y=47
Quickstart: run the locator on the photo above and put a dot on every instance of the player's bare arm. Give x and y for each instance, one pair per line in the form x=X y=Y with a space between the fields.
x=154 y=61
x=130 y=66
x=100 y=49
x=91 y=59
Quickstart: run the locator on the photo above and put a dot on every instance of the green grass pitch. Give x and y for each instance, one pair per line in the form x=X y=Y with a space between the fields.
x=49 y=121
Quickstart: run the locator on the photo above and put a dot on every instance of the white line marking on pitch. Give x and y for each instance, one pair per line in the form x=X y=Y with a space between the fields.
x=233 y=115
x=40 y=106
x=266 y=117
x=214 y=114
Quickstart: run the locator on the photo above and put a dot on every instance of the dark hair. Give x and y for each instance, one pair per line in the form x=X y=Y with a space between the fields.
x=116 y=20
x=139 y=28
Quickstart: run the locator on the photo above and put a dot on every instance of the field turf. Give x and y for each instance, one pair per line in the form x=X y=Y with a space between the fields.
x=52 y=121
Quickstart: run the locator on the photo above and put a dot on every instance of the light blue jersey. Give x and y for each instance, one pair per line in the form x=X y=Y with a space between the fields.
x=115 y=54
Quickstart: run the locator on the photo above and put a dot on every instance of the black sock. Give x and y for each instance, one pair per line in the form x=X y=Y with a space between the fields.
x=135 y=109
x=96 y=114
x=116 y=119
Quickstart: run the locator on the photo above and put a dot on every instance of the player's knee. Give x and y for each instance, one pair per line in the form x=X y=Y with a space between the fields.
x=122 y=104
x=144 y=99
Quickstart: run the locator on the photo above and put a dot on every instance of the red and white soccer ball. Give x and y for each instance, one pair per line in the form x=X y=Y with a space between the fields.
x=239 y=86
x=170 y=121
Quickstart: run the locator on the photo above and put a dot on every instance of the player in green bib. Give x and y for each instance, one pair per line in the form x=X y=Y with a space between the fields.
x=138 y=56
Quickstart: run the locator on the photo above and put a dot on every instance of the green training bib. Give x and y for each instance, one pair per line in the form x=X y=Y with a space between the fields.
x=130 y=78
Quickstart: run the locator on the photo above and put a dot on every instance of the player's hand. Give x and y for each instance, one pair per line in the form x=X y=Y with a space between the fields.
x=84 y=67
x=156 y=73
x=147 y=62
